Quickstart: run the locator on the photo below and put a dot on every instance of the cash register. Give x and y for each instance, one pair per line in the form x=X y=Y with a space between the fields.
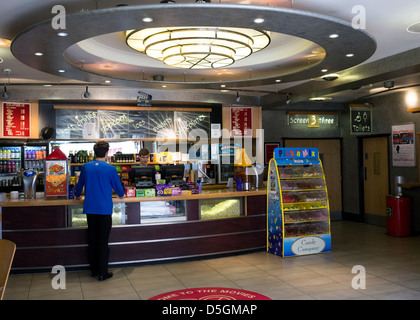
x=142 y=177
x=173 y=174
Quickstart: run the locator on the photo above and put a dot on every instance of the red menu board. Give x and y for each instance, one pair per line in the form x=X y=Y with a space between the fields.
x=16 y=119
x=241 y=122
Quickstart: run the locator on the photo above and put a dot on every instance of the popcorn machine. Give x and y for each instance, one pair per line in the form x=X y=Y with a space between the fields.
x=56 y=177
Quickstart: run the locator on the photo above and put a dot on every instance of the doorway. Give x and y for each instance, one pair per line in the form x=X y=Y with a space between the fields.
x=330 y=155
x=375 y=179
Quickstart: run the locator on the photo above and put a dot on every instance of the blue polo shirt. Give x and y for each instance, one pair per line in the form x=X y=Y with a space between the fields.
x=99 y=180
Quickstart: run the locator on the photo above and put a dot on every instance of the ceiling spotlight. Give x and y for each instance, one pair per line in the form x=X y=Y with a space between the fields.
x=238 y=97
x=4 y=94
x=319 y=99
x=330 y=77
x=5 y=43
x=389 y=84
x=167 y=1
x=86 y=94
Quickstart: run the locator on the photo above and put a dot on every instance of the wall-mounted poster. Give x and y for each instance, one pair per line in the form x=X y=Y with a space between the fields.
x=403 y=145
x=16 y=119
x=269 y=151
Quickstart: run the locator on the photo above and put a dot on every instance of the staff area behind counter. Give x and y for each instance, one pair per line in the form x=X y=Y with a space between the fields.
x=219 y=221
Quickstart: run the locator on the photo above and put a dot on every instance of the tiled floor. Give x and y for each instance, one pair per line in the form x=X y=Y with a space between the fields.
x=392 y=268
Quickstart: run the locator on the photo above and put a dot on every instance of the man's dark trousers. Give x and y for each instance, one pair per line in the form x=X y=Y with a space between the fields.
x=99 y=228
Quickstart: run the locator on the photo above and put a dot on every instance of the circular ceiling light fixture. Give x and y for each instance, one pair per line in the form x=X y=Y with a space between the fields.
x=197 y=47
x=414 y=28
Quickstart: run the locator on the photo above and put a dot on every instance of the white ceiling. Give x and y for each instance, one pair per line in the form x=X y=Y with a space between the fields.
x=386 y=21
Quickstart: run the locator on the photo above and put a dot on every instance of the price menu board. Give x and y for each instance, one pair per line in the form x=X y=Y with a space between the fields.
x=16 y=119
x=241 y=122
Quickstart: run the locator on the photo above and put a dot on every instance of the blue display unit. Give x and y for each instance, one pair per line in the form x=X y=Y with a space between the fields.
x=298 y=213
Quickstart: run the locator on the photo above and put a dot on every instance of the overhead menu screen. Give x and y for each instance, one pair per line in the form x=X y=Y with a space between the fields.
x=130 y=124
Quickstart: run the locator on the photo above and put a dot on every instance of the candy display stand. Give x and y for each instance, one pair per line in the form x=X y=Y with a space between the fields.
x=298 y=214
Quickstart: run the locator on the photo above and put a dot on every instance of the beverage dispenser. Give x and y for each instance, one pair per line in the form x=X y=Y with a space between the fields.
x=29 y=183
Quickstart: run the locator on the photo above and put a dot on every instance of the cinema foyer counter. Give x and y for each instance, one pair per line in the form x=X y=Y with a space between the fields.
x=145 y=229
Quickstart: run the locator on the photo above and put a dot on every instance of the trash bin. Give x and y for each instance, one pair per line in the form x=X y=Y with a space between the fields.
x=398 y=216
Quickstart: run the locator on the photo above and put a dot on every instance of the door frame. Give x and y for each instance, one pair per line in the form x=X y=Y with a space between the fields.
x=340 y=139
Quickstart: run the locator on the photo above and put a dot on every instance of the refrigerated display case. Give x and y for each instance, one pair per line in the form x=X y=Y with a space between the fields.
x=77 y=219
x=15 y=157
x=34 y=156
x=163 y=211
x=298 y=214
x=10 y=165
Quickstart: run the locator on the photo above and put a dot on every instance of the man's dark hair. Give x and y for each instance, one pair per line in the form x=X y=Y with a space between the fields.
x=101 y=148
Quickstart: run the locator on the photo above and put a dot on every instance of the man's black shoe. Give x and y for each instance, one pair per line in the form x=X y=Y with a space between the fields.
x=104 y=277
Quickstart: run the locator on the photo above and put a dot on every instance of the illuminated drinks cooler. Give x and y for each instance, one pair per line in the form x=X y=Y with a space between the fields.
x=298 y=214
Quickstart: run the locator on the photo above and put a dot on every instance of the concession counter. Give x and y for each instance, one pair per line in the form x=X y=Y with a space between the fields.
x=51 y=232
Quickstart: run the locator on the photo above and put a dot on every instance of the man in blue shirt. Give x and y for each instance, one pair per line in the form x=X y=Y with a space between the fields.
x=99 y=179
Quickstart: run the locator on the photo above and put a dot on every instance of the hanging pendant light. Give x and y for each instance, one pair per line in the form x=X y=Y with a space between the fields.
x=197 y=47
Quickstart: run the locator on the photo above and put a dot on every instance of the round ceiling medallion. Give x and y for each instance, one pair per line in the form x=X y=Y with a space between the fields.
x=315 y=52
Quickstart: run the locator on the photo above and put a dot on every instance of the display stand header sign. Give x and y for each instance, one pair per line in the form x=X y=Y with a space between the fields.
x=285 y=156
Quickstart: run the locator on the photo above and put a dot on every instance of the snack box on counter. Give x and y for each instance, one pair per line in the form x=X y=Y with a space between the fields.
x=161 y=190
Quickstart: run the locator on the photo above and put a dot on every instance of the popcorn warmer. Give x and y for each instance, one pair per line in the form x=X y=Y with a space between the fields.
x=298 y=215
x=56 y=175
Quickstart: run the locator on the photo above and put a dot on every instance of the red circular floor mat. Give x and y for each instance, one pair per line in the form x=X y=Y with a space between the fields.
x=210 y=294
